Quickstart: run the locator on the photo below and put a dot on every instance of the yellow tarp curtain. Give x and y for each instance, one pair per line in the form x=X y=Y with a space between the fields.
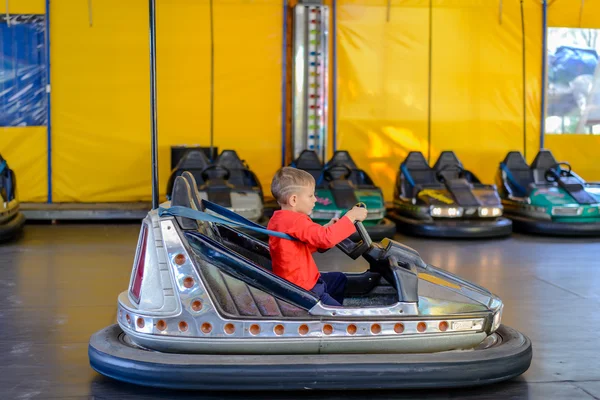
x=100 y=92
x=23 y=6
x=574 y=13
x=100 y=101
x=476 y=82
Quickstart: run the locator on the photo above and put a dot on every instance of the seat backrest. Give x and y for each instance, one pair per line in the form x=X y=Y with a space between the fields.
x=240 y=176
x=8 y=181
x=417 y=171
x=518 y=174
x=342 y=157
x=309 y=161
x=445 y=162
x=194 y=161
x=543 y=161
x=358 y=177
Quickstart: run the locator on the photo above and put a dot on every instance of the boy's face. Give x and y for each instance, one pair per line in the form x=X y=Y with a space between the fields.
x=304 y=200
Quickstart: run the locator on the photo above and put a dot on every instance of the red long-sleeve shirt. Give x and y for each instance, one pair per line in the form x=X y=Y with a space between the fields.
x=292 y=259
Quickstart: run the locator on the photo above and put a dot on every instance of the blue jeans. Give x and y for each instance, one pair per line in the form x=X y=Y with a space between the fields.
x=330 y=288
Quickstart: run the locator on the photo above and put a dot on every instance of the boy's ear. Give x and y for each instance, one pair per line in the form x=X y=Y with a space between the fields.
x=293 y=200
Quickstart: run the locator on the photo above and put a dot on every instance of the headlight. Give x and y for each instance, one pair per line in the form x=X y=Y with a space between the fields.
x=567 y=211
x=446 y=212
x=497 y=319
x=490 y=211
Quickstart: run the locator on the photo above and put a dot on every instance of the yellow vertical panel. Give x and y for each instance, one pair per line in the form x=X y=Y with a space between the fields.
x=100 y=101
x=25 y=150
x=570 y=14
x=23 y=6
x=383 y=69
x=477 y=100
x=247 y=86
x=248 y=80
x=581 y=151
x=183 y=76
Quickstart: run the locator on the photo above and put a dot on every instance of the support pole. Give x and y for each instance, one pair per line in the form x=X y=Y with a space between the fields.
x=429 y=81
x=284 y=85
x=153 y=104
x=7 y=14
x=48 y=103
x=524 y=84
x=334 y=63
x=212 y=81
x=544 y=71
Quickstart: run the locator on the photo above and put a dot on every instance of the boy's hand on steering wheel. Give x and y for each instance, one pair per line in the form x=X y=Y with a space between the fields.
x=357 y=214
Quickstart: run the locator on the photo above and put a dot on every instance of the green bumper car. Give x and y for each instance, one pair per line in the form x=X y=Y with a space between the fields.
x=340 y=184
x=548 y=197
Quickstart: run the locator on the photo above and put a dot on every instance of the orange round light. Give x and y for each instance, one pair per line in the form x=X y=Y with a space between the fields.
x=229 y=329
x=279 y=329
x=351 y=329
x=327 y=329
x=183 y=326
x=140 y=322
x=196 y=305
x=399 y=328
x=206 y=327
x=375 y=329
x=421 y=326
x=179 y=259
x=443 y=326
x=128 y=318
x=303 y=329
x=254 y=329
x=188 y=282
x=161 y=325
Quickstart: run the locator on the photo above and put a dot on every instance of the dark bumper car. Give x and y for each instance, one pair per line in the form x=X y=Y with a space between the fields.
x=228 y=182
x=446 y=200
x=547 y=197
x=11 y=219
x=340 y=184
x=204 y=311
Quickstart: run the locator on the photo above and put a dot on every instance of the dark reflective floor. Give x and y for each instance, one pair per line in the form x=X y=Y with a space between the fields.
x=59 y=284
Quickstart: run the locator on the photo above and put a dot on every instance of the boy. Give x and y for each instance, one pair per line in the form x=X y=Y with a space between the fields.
x=294 y=190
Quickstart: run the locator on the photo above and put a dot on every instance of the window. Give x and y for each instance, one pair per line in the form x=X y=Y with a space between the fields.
x=573 y=95
x=22 y=71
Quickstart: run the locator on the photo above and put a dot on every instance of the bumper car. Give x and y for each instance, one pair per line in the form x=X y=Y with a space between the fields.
x=339 y=185
x=548 y=197
x=11 y=219
x=446 y=200
x=228 y=181
x=204 y=311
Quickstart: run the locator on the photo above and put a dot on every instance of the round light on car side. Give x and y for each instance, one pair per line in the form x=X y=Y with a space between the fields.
x=436 y=211
x=496 y=212
x=497 y=319
x=484 y=212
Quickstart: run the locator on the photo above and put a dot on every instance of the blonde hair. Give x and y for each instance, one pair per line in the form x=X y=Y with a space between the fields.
x=287 y=181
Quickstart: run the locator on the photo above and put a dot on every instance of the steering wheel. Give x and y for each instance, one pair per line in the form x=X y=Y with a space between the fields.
x=449 y=167
x=327 y=171
x=225 y=173
x=352 y=249
x=556 y=171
